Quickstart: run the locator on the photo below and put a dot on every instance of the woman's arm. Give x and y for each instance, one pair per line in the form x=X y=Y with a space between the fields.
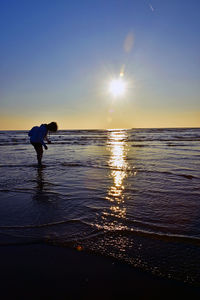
x=48 y=141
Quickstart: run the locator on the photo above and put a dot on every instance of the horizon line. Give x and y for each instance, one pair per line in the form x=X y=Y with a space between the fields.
x=177 y=127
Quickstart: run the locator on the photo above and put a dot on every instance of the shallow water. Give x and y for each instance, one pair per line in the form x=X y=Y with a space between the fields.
x=132 y=194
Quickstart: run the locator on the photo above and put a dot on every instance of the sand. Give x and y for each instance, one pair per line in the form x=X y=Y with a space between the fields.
x=51 y=272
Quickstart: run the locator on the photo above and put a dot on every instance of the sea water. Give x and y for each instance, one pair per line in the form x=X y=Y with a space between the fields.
x=130 y=194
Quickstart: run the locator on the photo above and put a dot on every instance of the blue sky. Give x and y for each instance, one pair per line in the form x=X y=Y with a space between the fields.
x=58 y=57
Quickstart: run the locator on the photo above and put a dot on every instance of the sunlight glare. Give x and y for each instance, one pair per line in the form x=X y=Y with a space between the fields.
x=117 y=87
x=118 y=164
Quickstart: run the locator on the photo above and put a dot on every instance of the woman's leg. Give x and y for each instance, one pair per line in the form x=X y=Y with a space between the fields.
x=39 y=151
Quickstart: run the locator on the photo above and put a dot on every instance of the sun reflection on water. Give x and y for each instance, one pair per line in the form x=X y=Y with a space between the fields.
x=118 y=147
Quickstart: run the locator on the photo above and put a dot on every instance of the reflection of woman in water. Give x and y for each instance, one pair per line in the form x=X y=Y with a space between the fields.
x=37 y=136
x=40 y=180
x=40 y=195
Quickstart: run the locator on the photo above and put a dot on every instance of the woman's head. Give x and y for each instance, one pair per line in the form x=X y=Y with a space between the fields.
x=52 y=126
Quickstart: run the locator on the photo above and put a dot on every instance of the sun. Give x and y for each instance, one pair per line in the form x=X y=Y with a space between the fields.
x=117 y=87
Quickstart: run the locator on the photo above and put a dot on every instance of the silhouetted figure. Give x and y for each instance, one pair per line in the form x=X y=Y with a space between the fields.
x=37 y=137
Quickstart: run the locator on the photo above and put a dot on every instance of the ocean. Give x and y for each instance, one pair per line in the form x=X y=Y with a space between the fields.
x=130 y=194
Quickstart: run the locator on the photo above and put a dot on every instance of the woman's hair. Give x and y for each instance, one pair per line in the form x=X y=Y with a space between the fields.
x=52 y=126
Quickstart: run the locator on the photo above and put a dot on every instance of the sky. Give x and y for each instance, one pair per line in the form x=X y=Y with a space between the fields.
x=58 y=58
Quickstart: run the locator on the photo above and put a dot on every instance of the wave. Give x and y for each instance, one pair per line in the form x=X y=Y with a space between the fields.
x=187 y=176
x=102 y=142
x=95 y=136
x=104 y=229
x=163 y=139
x=41 y=225
x=21 y=166
x=90 y=164
x=73 y=164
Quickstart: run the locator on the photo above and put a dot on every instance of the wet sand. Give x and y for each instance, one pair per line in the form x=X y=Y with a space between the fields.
x=51 y=272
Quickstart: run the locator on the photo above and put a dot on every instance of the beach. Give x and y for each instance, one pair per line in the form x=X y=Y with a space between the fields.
x=110 y=212
x=50 y=272
x=100 y=150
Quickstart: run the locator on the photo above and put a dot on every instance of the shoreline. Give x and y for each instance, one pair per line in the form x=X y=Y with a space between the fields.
x=42 y=271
